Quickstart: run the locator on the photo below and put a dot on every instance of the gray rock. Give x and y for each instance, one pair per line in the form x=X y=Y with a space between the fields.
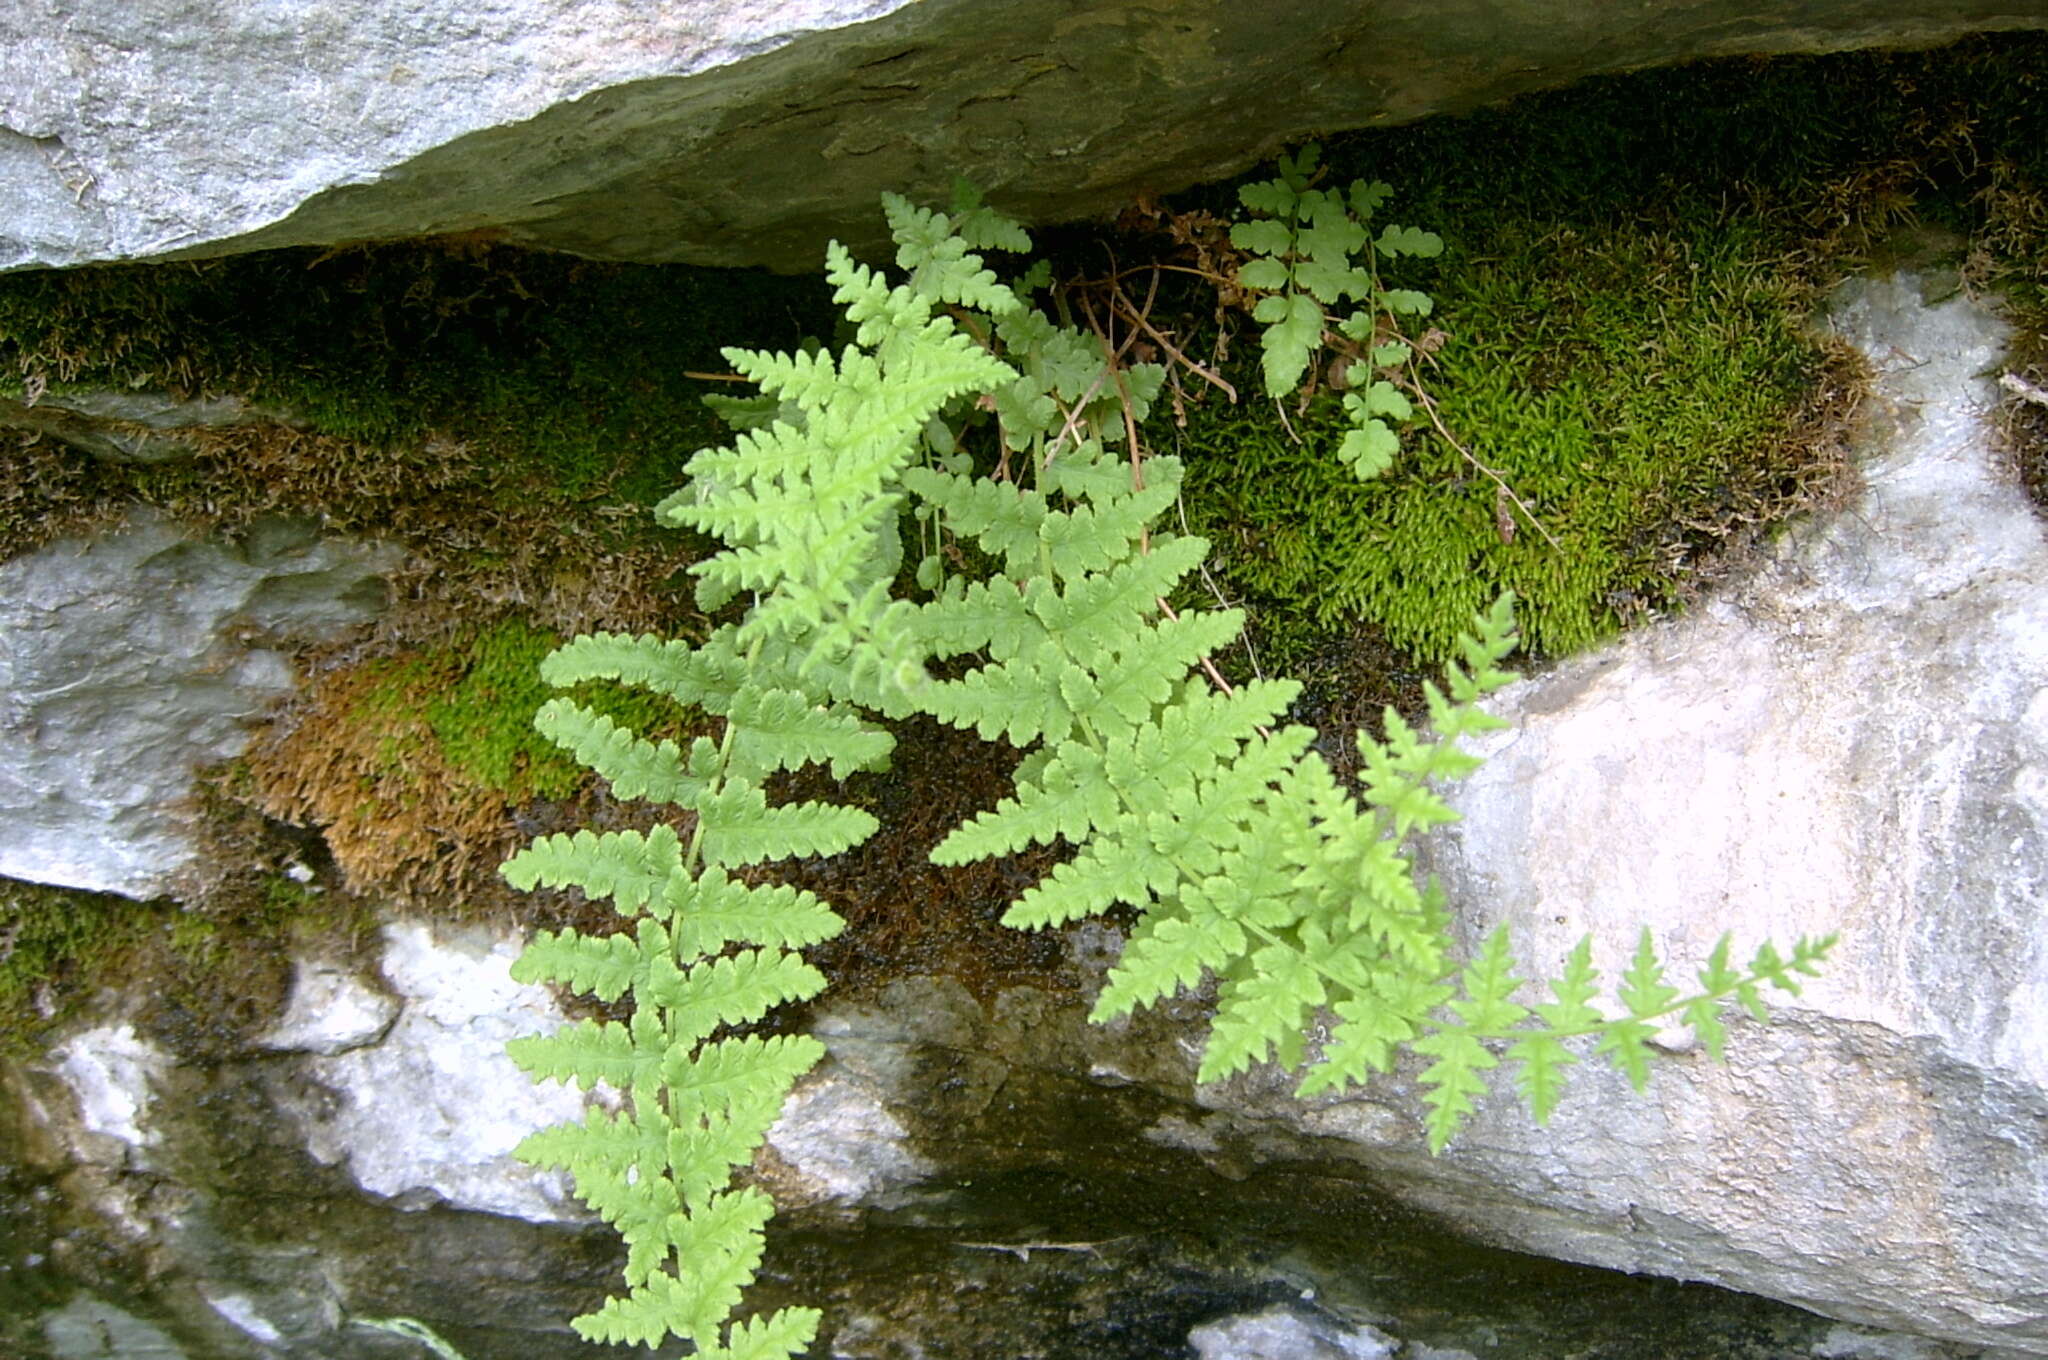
x=111 y=1072
x=130 y=427
x=92 y=1329
x=130 y=660
x=331 y=1011
x=431 y=1113
x=736 y=134
x=1855 y=741
x=1281 y=1333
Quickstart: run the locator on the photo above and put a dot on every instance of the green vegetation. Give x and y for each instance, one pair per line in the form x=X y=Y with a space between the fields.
x=412 y=763
x=1183 y=798
x=1619 y=306
x=215 y=967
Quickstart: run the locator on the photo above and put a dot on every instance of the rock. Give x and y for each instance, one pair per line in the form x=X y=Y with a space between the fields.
x=431 y=1113
x=110 y=1071
x=134 y=658
x=129 y=427
x=950 y=1180
x=1856 y=740
x=92 y=1329
x=1286 y=1334
x=730 y=134
x=330 y=1012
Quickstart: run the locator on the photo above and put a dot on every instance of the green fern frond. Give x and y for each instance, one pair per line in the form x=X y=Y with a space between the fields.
x=738 y=827
x=606 y=966
x=737 y=990
x=785 y=729
x=711 y=911
x=737 y=1079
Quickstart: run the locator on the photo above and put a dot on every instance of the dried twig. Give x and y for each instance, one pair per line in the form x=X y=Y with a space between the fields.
x=2024 y=390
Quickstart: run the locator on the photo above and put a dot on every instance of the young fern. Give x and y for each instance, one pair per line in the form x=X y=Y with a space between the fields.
x=1306 y=242
x=806 y=497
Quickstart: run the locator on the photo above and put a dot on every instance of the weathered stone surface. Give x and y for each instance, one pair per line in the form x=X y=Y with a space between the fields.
x=729 y=133
x=1288 y=1334
x=130 y=427
x=952 y=1186
x=128 y=661
x=432 y=1112
x=1855 y=741
x=331 y=1011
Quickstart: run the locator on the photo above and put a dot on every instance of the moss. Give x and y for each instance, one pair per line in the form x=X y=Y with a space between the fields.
x=1620 y=313
x=220 y=965
x=414 y=764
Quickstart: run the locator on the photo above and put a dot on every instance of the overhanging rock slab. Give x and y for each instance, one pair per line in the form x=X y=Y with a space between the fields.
x=726 y=133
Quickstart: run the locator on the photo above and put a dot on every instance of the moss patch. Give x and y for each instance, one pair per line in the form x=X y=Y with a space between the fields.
x=414 y=764
x=1620 y=336
x=508 y=416
x=216 y=975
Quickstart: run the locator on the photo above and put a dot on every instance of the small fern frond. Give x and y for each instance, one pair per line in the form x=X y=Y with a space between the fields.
x=737 y=1079
x=606 y=966
x=738 y=827
x=1262 y=1011
x=736 y=990
x=785 y=729
x=711 y=911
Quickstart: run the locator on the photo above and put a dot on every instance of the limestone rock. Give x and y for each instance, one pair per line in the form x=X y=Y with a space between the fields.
x=330 y=1011
x=130 y=660
x=1287 y=1334
x=727 y=133
x=432 y=1112
x=130 y=427
x=1856 y=741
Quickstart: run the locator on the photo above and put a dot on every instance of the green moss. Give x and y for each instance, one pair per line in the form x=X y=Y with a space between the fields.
x=568 y=373
x=52 y=940
x=1622 y=299
x=476 y=696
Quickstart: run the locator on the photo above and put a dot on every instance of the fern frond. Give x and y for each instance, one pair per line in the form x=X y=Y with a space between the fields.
x=606 y=966
x=685 y=674
x=1095 y=537
x=1261 y=1011
x=1070 y=797
x=785 y=729
x=711 y=911
x=1108 y=871
x=781 y=1335
x=627 y=1056
x=1121 y=694
x=720 y=1248
x=1171 y=957
x=740 y=1080
x=1096 y=614
x=630 y=867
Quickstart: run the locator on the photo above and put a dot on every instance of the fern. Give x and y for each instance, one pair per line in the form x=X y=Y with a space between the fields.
x=1247 y=861
x=1306 y=245
x=1183 y=798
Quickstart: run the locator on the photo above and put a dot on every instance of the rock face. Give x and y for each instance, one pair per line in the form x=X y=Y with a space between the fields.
x=735 y=134
x=1856 y=741
x=953 y=1182
x=129 y=427
x=128 y=661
